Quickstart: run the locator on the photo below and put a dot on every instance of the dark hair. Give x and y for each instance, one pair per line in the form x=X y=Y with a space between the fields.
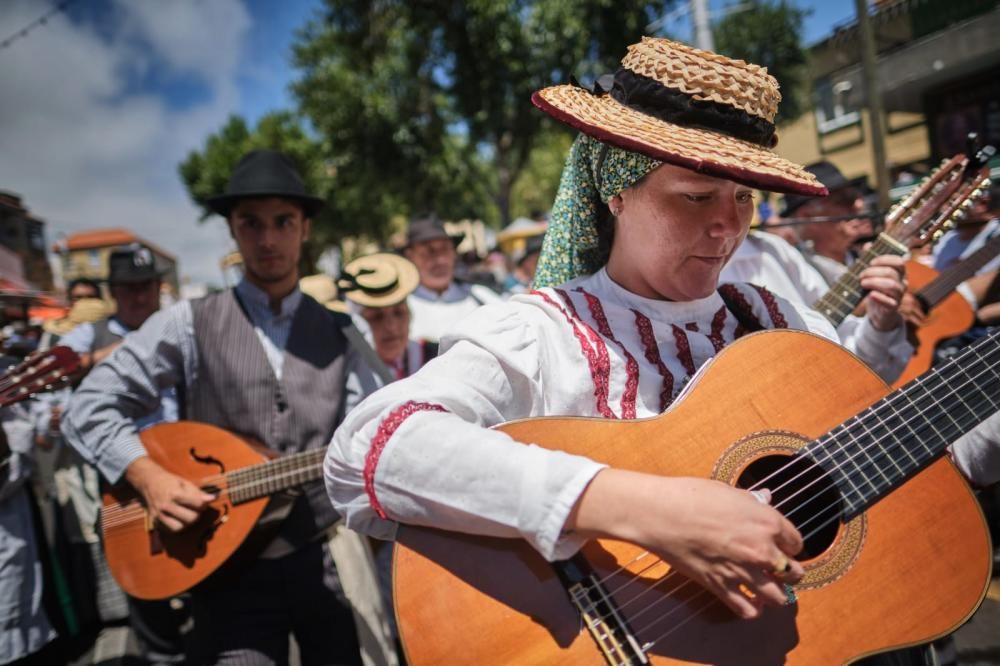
x=604 y=225
x=87 y=282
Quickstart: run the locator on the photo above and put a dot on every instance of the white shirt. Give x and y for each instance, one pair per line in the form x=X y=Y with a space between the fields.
x=412 y=451
x=432 y=315
x=769 y=261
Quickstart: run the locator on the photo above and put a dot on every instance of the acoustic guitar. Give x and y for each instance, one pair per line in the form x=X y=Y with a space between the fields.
x=39 y=372
x=941 y=201
x=151 y=563
x=948 y=313
x=896 y=550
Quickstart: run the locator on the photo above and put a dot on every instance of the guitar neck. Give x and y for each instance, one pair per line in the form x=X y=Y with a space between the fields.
x=875 y=452
x=250 y=483
x=845 y=295
x=948 y=281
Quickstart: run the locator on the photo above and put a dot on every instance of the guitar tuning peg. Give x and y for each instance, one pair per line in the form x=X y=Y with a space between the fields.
x=936 y=236
x=986 y=184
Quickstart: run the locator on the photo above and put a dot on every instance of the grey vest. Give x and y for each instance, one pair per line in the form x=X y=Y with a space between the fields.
x=103 y=335
x=237 y=390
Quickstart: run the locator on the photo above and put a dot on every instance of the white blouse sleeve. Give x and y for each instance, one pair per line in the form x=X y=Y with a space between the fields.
x=885 y=352
x=977 y=453
x=419 y=451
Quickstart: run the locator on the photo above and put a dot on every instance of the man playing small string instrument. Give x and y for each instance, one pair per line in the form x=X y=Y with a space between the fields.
x=264 y=361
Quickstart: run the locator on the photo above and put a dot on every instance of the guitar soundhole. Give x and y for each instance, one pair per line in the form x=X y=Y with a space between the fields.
x=804 y=493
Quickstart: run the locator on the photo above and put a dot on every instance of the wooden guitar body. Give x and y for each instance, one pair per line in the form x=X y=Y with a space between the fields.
x=151 y=563
x=911 y=568
x=952 y=316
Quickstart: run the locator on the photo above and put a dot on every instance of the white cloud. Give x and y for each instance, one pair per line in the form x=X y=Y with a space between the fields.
x=84 y=151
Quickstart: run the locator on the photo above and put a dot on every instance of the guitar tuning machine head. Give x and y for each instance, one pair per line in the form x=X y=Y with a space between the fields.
x=936 y=236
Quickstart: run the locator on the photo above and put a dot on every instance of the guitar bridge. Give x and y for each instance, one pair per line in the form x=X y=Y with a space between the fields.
x=600 y=614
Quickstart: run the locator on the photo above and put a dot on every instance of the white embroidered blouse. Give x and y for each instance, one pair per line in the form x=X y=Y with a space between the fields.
x=417 y=451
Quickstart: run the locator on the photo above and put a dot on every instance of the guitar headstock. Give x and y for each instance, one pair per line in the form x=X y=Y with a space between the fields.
x=942 y=198
x=40 y=372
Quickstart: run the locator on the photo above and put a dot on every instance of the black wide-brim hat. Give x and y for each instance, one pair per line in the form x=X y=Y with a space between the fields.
x=260 y=174
x=831 y=177
x=429 y=228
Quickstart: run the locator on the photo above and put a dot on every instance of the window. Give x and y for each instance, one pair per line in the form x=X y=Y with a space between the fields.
x=836 y=106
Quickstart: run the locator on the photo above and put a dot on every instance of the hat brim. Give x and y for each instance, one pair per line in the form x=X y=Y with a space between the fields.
x=407 y=278
x=704 y=151
x=222 y=204
x=456 y=240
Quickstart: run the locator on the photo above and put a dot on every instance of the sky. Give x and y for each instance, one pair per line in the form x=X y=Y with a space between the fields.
x=100 y=104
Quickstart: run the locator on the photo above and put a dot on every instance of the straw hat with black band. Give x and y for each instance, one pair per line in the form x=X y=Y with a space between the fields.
x=667 y=103
x=378 y=280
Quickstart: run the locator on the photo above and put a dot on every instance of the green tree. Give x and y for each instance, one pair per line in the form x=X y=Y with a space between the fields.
x=424 y=104
x=770 y=34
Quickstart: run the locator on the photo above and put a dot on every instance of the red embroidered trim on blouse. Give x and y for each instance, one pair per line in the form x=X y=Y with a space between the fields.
x=777 y=318
x=652 y=353
x=718 y=321
x=600 y=387
x=385 y=430
x=683 y=349
x=601 y=369
x=737 y=298
x=631 y=366
x=691 y=326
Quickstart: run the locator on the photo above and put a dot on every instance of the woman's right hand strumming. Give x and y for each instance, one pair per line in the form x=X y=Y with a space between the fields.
x=172 y=501
x=724 y=538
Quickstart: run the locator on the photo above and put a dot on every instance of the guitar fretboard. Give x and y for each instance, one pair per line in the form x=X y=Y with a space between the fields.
x=270 y=477
x=879 y=449
x=948 y=281
x=845 y=295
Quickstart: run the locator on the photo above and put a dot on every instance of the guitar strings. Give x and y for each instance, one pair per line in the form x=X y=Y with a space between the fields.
x=888 y=401
x=982 y=398
x=981 y=401
x=256 y=473
x=703 y=591
x=116 y=515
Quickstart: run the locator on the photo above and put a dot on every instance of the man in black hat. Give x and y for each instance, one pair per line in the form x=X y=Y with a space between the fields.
x=440 y=300
x=271 y=364
x=134 y=283
x=831 y=242
x=134 y=279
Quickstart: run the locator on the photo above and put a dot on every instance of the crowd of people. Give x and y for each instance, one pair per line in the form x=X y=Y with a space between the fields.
x=398 y=368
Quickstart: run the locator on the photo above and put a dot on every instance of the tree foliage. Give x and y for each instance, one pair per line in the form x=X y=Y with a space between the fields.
x=770 y=34
x=418 y=105
x=425 y=104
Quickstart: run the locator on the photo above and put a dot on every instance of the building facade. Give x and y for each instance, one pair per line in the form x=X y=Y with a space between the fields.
x=24 y=235
x=85 y=255
x=938 y=73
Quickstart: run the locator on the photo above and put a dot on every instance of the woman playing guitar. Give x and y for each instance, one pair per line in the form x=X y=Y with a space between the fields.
x=655 y=197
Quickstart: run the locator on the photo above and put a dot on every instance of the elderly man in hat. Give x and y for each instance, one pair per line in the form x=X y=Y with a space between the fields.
x=656 y=196
x=272 y=364
x=830 y=242
x=440 y=300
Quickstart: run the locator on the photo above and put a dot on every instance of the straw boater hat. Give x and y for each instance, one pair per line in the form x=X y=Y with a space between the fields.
x=668 y=103
x=84 y=311
x=688 y=107
x=322 y=289
x=378 y=280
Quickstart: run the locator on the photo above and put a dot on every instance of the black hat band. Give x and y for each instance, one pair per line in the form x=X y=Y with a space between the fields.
x=348 y=282
x=652 y=98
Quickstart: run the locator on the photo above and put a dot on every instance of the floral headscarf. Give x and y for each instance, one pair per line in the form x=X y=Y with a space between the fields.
x=594 y=173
